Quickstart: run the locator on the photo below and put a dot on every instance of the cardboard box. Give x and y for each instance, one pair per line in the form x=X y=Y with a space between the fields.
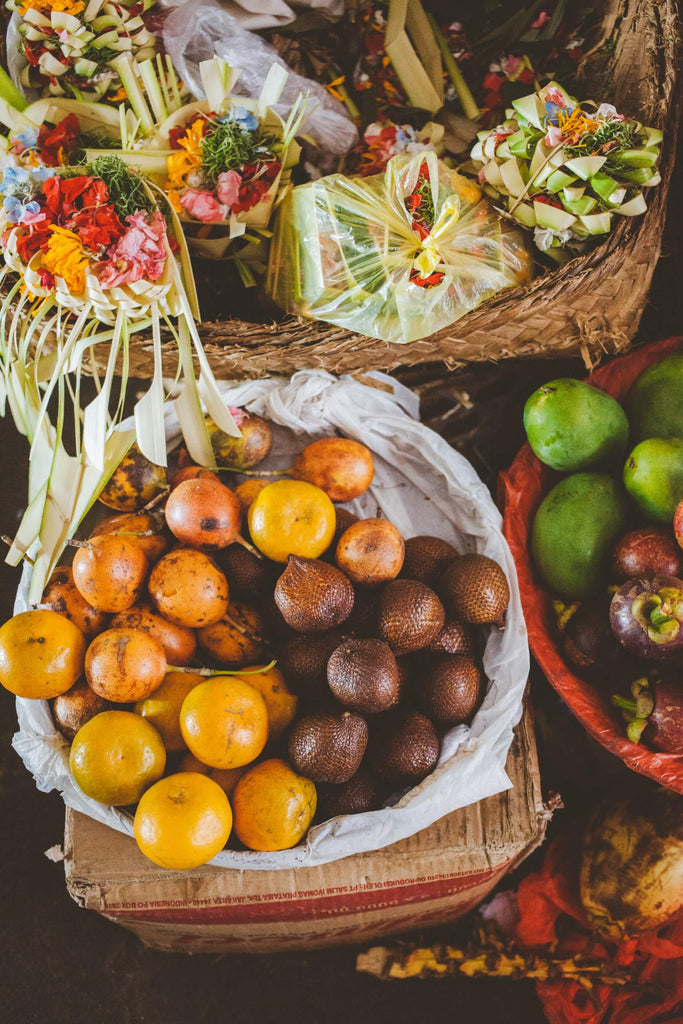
x=430 y=878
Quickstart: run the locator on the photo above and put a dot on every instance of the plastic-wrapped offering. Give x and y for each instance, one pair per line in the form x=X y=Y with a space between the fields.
x=396 y=256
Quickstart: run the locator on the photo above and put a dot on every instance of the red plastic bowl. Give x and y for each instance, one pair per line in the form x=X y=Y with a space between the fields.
x=522 y=488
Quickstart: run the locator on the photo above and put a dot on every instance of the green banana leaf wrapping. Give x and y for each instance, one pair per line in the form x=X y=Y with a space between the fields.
x=565 y=168
x=396 y=256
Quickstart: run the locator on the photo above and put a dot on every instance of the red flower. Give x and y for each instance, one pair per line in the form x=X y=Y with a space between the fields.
x=256 y=180
x=56 y=143
x=46 y=278
x=82 y=205
x=436 y=277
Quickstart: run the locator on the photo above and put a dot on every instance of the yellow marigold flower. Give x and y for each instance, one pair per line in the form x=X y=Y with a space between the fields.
x=189 y=157
x=47 y=6
x=65 y=258
x=173 y=197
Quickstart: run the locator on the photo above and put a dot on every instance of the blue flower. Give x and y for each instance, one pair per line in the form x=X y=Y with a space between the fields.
x=16 y=209
x=15 y=179
x=28 y=139
x=552 y=110
x=244 y=118
x=41 y=173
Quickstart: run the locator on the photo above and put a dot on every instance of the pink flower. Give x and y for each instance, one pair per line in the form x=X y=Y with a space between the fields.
x=553 y=95
x=228 y=187
x=553 y=136
x=203 y=205
x=139 y=254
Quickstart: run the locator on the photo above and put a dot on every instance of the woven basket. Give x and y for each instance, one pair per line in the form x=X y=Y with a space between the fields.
x=591 y=306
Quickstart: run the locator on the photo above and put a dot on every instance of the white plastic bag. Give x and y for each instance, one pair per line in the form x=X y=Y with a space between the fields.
x=423 y=486
x=200 y=29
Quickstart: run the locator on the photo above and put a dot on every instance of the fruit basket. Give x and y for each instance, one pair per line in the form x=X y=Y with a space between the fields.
x=592 y=305
x=522 y=488
x=421 y=486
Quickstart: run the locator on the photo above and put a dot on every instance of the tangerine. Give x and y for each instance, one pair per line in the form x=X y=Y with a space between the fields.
x=227 y=778
x=134 y=483
x=116 y=756
x=291 y=517
x=248 y=490
x=62 y=595
x=179 y=642
x=143 y=528
x=183 y=821
x=189 y=763
x=280 y=701
x=41 y=654
x=188 y=588
x=124 y=665
x=224 y=722
x=162 y=707
x=236 y=639
x=273 y=806
x=110 y=572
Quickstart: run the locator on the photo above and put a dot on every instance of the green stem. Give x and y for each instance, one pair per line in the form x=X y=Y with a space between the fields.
x=467 y=101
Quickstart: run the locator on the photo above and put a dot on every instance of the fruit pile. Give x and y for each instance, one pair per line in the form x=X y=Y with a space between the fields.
x=241 y=662
x=608 y=544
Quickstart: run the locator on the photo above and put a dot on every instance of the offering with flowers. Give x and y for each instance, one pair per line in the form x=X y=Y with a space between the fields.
x=222 y=160
x=566 y=168
x=67 y=47
x=89 y=256
x=395 y=256
x=384 y=139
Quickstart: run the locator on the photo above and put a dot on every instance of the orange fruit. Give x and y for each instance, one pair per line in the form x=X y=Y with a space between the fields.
x=291 y=517
x=179 y=642
x=116 y=756
x=248 y=490
x=227 y=778
x=237 y=639
x=188 y=588
x=183 y=821
x=162 y=708
x=143 y=528
x=341 y=467
x=110 y=572
x=273 y=806
x=62 y=595
x=280 y=701
x=124 y=665
x=41 y=654
x=134 y=482
x=189 y=763
x=224 y=722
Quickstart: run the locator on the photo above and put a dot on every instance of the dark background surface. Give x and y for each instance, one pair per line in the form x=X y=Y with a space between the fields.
x=64 y=965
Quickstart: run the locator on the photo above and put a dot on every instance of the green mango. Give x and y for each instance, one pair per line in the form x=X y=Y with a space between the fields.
x=574 y=531
x=654 y=404
x=653 y=476
x=572 y=426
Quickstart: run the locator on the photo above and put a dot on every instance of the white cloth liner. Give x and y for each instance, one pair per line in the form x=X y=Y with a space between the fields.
x=423 y=486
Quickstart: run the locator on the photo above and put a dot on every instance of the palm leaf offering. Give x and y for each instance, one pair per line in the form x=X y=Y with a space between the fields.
x=91 y=249
x=68 y=47
x=566 y=168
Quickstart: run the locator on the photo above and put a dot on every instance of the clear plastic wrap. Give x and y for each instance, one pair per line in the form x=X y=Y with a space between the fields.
x=522 y=488
x=396 y=256
x=201 y=29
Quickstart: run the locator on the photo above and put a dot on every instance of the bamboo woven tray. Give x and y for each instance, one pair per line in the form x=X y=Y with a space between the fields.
x=592 y=306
